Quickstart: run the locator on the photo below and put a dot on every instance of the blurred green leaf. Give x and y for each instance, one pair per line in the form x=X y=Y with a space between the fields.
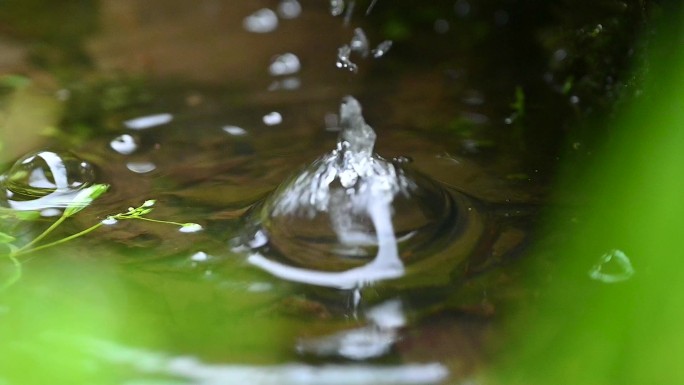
x=6 y=238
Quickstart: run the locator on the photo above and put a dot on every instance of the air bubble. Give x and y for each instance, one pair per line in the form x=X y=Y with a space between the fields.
x=46 y=179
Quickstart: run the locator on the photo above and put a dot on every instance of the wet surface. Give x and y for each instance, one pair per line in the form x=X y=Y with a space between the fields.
x=207 y=108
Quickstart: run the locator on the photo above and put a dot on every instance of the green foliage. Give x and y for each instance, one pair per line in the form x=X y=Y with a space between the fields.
x=620 y=324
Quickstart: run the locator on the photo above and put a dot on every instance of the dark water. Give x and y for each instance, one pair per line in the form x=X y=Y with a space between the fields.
x=464 y=92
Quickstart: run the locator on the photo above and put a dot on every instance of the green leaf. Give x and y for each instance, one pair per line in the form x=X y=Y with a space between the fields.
x=84 y=198
x=6 y=238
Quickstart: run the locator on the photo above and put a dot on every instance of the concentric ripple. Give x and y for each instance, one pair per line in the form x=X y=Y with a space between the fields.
x=352 y=218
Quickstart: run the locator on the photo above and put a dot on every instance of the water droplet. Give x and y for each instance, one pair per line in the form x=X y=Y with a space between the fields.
x=124 y=144
x=289 y=9
x=235 y=130
x=382 y=49
x=336 y=7
x=46 y=179
x=261 y=21
x=141 y=167
x=285 y=64
x=612 y=267
x=272 y=118
x=359 y=42
x=145 y=122
x=343 y=59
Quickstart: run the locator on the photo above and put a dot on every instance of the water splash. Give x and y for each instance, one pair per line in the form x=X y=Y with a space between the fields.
x=338 y=214
x=382 y=49
x=44 y=180
x=344 y=59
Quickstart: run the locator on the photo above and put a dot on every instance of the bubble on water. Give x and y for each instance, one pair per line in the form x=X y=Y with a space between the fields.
x=124 y=144
x=285 y=64
x=149 y=121
x=336 y=7
x=612 y=267
x=141 y=167
x=359 y=42
x=382 y=49
x=46 y=179
x=272 y=118
x=261 y=21
x=289 y=9
x=343 y=59
x=235 y=130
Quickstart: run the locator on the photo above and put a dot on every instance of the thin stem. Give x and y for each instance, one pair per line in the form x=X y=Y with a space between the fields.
x=42 y=235
x=23 y=250
x=158 y=221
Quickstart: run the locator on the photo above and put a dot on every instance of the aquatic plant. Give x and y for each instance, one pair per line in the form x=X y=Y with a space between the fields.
x=82 y=200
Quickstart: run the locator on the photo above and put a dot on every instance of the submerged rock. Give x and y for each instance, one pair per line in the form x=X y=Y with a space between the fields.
x=351 y=217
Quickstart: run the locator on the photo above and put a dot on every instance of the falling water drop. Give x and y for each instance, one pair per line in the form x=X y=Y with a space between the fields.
x=285 y=64
x=261 y=21
x=336 y=7
x=359 y=42
x=382 y=49
x=343 y=59
x=289 y=9
x=272 y=118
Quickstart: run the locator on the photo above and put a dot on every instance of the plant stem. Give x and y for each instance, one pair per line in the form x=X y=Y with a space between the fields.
x=24 y=250
x=158 y=221
x=42 y=235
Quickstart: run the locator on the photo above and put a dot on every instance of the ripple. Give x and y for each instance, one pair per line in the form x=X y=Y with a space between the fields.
x=352 y=218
